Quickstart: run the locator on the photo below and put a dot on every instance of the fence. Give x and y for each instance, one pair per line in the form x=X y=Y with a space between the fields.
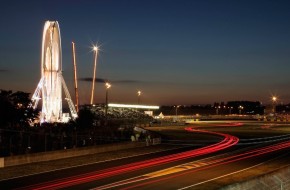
x=59 y=154
x=32 y=140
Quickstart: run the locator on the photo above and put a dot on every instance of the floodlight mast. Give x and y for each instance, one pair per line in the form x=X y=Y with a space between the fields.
x=49 y=89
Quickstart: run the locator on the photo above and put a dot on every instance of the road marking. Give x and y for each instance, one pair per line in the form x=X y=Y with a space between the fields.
x=171 y=171
x=179 y=168
x=165 y=172
x=218 y=177
x=148 y=176
x=230 y=174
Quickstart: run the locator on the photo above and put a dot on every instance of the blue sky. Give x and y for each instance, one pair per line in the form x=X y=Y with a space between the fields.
x=175 y=52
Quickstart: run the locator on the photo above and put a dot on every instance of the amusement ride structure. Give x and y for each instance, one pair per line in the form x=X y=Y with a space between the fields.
x=49 y=88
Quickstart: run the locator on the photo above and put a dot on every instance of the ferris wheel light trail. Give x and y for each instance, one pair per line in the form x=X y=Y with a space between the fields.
x=51 y=83
x=95 y=49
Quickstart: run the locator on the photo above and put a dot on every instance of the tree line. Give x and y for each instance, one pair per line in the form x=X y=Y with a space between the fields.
x=19 y=134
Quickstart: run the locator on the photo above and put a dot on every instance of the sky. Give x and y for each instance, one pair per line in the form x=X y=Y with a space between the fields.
x=177 y=52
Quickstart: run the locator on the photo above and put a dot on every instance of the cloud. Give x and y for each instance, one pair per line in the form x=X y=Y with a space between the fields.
x=98 y=80
x=133 y=82
x=101 y=80
x=128 y=81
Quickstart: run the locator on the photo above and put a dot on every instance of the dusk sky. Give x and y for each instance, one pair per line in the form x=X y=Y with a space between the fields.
x=174 y=51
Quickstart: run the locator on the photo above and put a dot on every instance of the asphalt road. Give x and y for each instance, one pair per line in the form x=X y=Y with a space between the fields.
x=196 y=172
x=68 y=172
x=206 y=177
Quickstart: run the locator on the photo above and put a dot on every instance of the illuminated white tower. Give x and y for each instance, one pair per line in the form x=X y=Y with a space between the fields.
x=49 y=88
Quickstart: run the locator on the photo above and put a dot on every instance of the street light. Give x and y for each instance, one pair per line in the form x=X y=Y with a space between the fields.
x=240 y=109
x=139 y=96
x=176 y=107
x=108 y=86
x=274 y=100
x=217 y=109
x=95 y=49
x=231 y=110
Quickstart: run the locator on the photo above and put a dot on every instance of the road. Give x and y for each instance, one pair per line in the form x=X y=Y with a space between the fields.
x=189 y=167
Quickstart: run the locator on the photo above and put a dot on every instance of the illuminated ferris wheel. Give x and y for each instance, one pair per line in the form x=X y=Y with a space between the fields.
x=50 y=86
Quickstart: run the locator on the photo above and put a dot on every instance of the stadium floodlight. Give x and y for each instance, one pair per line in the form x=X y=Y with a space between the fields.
x=108 y=85
x=274 y=100
x=139 y=96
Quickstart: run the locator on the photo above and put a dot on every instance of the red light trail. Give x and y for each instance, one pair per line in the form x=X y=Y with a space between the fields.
x=227 y=125
x=228 y=141
x=222 y=161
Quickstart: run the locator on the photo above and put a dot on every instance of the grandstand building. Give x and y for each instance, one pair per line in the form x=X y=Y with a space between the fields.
x=122 y=111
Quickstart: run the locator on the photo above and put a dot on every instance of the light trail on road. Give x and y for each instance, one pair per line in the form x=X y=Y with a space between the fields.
x=226 y=142
x=227 y=125
x=187 y=170
x=254 y=141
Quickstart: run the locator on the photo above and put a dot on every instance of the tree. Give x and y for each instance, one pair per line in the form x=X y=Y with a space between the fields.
x=85 y=118
x=6 y=108
x=16 y=109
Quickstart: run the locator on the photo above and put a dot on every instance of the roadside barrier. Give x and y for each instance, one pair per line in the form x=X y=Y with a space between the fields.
x=67 y=153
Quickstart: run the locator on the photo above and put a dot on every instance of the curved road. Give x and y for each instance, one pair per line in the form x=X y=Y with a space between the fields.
x=175 y=169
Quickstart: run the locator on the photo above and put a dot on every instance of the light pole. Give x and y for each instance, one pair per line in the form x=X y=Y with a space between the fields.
x=274 y=100
x=176 y=107
x=217 y=109
x=95 y=49
x=108 y=86
x=231 y=110
x=139 y=96
x=240 y=109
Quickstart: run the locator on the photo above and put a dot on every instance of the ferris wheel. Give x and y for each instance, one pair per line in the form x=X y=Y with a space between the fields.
x=49 y=88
